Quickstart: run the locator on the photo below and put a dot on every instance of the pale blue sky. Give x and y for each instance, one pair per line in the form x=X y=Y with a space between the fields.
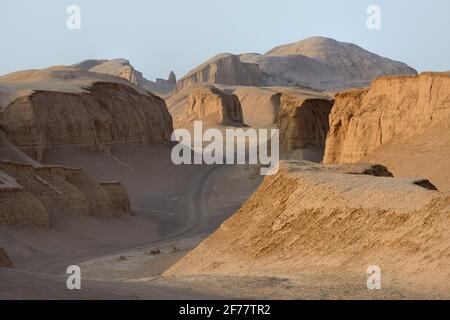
x=158 y=36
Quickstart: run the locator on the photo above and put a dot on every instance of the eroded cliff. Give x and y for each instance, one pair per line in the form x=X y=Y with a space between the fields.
x=4 y=259
x=328 y=224
x=223 y=69
x=206 y=103
x=32 y=195
x=303 y=122
x=63 y=106
x=401 y=122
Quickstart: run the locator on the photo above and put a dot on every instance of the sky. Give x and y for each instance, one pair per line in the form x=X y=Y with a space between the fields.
x=158 y=36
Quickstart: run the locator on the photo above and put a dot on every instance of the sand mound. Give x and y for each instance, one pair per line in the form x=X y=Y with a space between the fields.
x=312 y=221
x=400 y=122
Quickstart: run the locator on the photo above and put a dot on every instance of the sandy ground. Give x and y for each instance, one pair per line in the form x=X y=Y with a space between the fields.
x=176 y=207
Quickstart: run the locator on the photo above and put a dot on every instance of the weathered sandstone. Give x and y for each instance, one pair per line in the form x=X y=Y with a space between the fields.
x=324 y=64
x=71 y=107
x=32 y=195
x=260 y=106
x=303 y=122
x=401 y=122
x=4 y=259
x=119 y=197
x=123 y=69
x=393 y=107
x=310 y=221
x=207 y=103
x=224 y=69
x=19 y=207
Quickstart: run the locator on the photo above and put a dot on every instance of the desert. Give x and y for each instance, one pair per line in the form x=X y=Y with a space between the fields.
x=141 y=184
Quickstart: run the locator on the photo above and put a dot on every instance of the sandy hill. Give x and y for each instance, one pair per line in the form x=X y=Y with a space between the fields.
x=41 y=109
x=400 y=122
x=319 y=63
x=323 y=226
x=123 y=69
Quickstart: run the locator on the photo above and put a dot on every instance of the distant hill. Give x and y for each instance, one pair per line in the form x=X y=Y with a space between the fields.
x=319 y=63
x=123 y=69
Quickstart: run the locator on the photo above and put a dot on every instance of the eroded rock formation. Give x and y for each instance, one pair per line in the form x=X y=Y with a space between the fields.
x=208 y=102
x=401 y=122
x=123 y=69
x=4 y=259
x=324 y=64
x=393 y=107
x=311 y=221
x=303 y=122
x=224 y=69
x=260 y=106
x=32 y=195
x=57 y=107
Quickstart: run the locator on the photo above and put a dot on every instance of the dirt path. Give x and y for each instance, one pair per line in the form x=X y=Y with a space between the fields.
x=196 y=222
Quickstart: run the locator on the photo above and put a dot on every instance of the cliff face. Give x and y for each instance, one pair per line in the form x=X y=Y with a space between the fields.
x=4 y=260
x=208 y=102
x=31 y=196
x=303 y=122
x=223 y=69
x=310 y=221
x=109 y=113
x=260 y=106
x=392 y=108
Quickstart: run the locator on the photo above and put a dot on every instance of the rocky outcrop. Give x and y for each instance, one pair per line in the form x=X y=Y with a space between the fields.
x=315 y=63
x=109 y=112
x=223 y=69
x=260 y=106
x=172 y=78
x=32 y=195
x=98 y=201
x=309 y=221
x=4 y=259
x=392 y=109
x=119 y=197
x=19 y=207
x=208 y=102
x=303 y=122
x=123 y=69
